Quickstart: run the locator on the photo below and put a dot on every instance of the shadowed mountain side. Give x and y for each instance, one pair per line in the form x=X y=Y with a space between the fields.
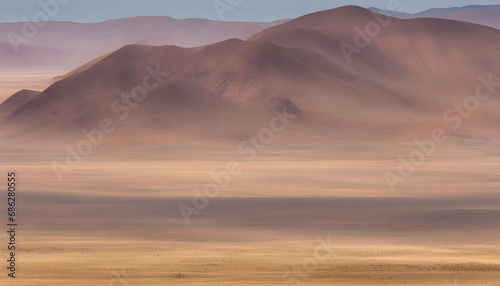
x=17 y=100
x=404 y=50
x=175 y=109
x=261 y=73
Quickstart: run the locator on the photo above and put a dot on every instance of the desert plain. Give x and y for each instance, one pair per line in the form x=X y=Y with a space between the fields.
x=306 y=202
x=319 y=217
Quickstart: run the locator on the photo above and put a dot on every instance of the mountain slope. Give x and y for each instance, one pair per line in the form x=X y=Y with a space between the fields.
x=416 y=51
x=17 y=100
x=397 y=87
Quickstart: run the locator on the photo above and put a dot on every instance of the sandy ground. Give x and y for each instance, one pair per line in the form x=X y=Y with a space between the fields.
x=301 y=217
x=249 y=255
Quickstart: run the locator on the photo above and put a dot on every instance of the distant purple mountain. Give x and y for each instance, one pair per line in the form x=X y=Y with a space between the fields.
x=488 y=15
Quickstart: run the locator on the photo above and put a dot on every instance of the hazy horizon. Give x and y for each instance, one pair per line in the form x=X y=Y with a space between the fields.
x=248 y=11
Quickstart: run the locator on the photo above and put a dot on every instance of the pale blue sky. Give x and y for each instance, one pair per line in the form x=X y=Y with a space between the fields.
x=248 y=10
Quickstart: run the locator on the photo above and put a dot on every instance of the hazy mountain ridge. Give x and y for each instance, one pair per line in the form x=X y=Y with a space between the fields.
x=488 y=15
x=69 y=44
x=398 y=86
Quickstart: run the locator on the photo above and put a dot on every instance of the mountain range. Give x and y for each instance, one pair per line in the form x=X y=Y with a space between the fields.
x=63 y=45
x=398 y=85
x=488 y=15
